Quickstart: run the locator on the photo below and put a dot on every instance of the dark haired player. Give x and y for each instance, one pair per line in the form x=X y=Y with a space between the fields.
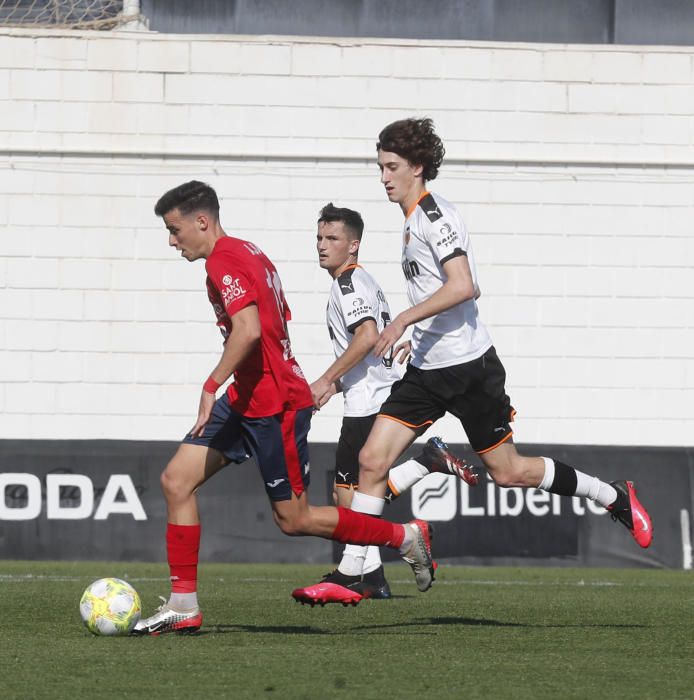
x=357 y=312
x=454 y=367
x=266 y=411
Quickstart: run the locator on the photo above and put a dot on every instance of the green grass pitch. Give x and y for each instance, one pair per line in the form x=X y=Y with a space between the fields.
x=478 y=633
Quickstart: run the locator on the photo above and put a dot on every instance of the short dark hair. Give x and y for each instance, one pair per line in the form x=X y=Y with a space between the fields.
x=417 y=142
x=351 y=219
x=188 y=197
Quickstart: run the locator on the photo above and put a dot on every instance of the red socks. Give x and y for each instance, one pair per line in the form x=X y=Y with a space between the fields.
x=183 y=543
x=358 y=528
x=182 y=546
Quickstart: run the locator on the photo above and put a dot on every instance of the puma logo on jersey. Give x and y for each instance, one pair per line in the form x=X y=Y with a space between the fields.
x=348 y=287
x=343 y=475
x=430 y=208
x=433 y=214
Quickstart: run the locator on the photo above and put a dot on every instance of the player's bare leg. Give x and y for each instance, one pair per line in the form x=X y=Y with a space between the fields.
x=297 y=517
x=190 y=467
x=387 y=440
x=508 y=468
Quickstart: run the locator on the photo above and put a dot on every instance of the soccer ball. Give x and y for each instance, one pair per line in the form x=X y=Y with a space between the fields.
x=110 y=606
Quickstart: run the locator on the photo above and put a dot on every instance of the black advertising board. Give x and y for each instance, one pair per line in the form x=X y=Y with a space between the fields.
x=100 y=500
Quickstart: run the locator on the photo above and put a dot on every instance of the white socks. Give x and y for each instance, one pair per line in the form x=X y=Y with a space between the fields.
x=183 y=602
x=598 y=491
x=548 y=478
x=356 y=557
x=373 y=559
x=406 y=475
x=357 y=560
x=586 y=486
x=407 y=540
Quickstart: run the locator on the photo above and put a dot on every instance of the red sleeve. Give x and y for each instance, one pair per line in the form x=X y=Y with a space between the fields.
x=235 y=285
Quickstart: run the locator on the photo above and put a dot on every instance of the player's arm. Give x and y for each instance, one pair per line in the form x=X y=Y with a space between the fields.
x=242 y=341
x=458 y=287
x=364 y=339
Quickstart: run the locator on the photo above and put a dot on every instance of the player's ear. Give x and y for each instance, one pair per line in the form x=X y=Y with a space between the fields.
x=417 y=170
x=354 y=246
x=202 y=221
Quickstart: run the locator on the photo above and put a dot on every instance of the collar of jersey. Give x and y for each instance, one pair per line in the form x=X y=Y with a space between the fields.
x=414 y=206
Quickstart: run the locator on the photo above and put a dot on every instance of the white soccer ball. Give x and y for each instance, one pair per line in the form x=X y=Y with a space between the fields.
x=110 y=607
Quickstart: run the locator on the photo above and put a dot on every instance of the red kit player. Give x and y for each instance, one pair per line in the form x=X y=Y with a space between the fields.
x=266 y=412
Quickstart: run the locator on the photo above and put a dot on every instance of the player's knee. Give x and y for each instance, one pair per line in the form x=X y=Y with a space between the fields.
x=372 y=462
x=173 y=485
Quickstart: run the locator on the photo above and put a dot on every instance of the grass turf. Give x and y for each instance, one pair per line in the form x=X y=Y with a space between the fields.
x=478 y=633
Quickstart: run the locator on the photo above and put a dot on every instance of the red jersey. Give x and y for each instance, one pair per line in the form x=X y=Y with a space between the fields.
x=269 y=380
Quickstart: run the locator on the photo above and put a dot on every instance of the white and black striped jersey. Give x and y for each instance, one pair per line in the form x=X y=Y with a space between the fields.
x=355 y=297
x=433 y=234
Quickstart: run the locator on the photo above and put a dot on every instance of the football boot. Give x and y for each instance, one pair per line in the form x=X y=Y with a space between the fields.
x=418 y=555
x=374 y=585
x=629 y=511
x=441 y=460
x=168 y=620
x=334 y=587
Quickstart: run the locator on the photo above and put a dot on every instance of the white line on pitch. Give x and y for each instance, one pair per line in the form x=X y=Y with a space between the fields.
x=491 y=582
x=29 y=578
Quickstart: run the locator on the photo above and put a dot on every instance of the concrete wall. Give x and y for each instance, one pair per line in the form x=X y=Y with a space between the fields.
x=573 y=168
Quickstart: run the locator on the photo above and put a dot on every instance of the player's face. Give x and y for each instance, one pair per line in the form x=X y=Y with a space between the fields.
x=186 y=233
x=402 y=180
x=334 y=245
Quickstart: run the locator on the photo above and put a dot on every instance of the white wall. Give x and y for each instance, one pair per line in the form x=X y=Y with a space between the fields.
x=572 y=166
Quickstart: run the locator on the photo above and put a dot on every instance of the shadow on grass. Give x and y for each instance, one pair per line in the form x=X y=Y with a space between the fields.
x=418 y=622
x=482 y=622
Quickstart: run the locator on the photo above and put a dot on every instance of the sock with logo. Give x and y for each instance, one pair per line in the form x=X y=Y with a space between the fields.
x=182 y=546
x=564 y=480
x=404 y=477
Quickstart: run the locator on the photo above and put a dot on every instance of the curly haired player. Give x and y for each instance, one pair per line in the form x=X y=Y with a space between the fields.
x=454 y=367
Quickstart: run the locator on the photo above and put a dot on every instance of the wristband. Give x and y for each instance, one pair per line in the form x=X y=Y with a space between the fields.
x=211 y=386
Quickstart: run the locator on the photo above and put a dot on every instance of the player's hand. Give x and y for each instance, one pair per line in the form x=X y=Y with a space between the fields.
x=404 y=350
x=321 y=392
x=389 y=336
x=207 y=402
